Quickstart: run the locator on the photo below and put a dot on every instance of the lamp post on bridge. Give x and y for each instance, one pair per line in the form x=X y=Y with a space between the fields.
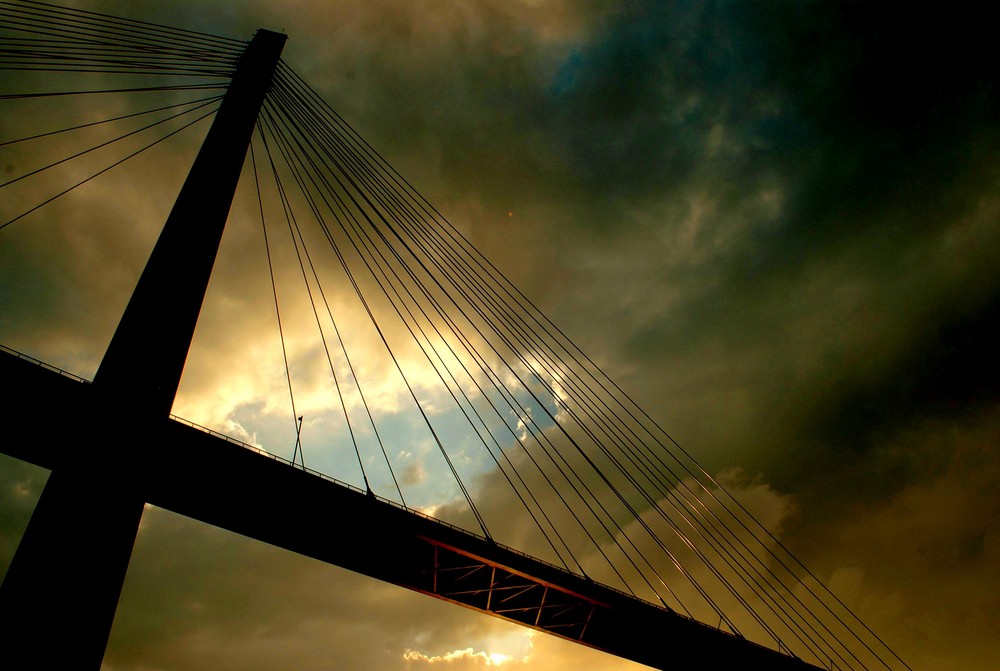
x=58 y=599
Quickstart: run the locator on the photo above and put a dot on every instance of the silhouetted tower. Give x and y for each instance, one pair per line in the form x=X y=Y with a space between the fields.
x=58 y=599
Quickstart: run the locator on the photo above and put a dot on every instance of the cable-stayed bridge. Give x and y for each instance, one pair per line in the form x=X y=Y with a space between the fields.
x=635 y=536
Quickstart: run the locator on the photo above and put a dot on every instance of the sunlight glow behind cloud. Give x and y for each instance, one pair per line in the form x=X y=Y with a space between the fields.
x=488 y=658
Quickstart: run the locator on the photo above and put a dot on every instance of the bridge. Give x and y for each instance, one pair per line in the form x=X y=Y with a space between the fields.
x=624 y=513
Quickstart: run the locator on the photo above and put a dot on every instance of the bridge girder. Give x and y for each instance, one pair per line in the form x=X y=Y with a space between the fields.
x=219 y=482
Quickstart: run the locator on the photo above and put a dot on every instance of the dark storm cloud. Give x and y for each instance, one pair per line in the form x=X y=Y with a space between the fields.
x=868 y=118
x=862 y=105
x=634 y=109
x=900 y=108
x=880 y=126
x=950 y=369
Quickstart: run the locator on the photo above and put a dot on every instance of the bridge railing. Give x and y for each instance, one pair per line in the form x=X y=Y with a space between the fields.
x=39 y=362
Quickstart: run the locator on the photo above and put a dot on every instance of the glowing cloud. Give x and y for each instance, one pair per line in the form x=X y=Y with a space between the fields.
x=486 y=658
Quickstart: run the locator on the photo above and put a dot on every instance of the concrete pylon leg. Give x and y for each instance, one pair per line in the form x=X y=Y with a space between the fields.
x=59 y=596
x=58 y=599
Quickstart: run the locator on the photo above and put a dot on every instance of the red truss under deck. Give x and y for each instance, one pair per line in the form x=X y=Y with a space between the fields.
x=472 y=581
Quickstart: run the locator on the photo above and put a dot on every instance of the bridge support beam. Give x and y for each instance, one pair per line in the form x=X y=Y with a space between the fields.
x=58 y=599
x=382 y=540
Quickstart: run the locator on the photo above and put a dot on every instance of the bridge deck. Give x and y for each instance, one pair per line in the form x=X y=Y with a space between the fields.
x=218 y=481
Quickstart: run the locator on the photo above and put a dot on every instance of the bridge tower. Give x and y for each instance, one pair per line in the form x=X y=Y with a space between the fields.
x=58 y=599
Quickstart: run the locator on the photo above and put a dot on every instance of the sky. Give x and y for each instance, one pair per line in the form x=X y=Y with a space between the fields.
x=775 y=224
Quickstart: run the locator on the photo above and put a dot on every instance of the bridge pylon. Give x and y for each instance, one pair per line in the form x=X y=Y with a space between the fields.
x=58 y=599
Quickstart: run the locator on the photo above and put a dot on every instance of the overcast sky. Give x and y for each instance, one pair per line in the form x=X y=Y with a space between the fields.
x=774 y=223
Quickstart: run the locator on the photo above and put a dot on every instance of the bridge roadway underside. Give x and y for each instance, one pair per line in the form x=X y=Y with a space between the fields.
x=207 y=478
